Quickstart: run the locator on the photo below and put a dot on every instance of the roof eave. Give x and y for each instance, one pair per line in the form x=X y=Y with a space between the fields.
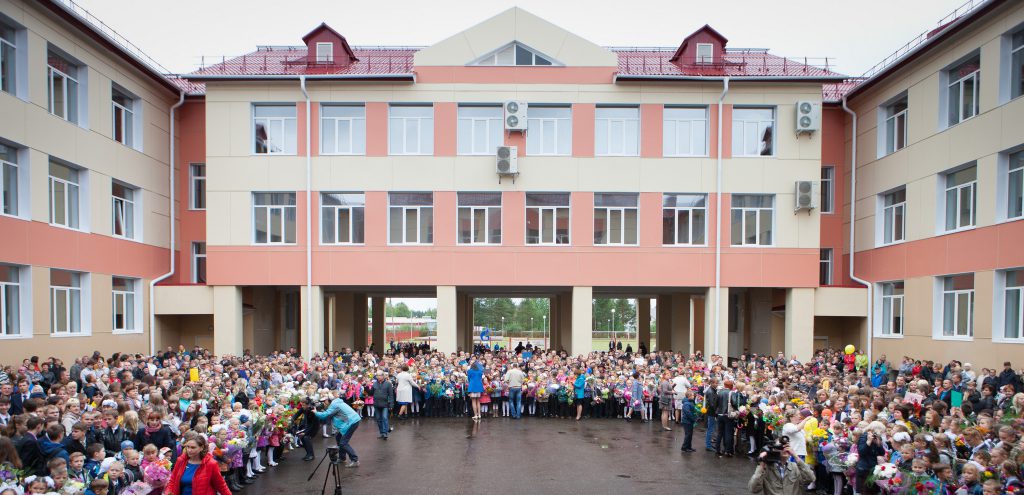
x=646 y=77
x=295 y=77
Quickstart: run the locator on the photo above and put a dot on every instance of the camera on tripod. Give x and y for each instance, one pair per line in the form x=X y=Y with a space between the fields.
x=334 y=453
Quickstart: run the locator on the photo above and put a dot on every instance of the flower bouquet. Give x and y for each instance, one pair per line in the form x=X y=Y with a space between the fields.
x=157 y=473
x=887 y=477
x=137 y=488
x=358 y=404
x=74 y=487
x=10 y=475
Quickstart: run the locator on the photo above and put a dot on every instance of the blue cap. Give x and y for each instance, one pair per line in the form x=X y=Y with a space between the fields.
x=127 y=444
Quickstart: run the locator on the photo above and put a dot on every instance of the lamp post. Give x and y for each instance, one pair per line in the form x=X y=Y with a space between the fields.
x=545 y=331
x=613 y=324
x=531 y=326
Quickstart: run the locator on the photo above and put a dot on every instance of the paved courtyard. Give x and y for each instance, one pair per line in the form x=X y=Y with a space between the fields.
x=530 y=456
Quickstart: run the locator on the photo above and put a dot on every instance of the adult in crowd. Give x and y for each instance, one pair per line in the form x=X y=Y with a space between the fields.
x=383 y=403
x=345 y=421
x=196 y=472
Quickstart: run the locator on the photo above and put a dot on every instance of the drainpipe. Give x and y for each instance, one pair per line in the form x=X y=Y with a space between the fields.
x=309 y=226
x=171 y=185
x=718 y=221
x=853 y=216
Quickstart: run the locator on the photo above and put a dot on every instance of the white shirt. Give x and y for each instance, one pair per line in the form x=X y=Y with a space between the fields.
x=797 y=442
x=681 y=384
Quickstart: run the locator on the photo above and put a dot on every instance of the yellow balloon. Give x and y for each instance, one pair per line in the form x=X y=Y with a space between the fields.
x=850 y=348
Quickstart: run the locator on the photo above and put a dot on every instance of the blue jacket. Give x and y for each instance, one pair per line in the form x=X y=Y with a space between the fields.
x=579 y=385
x=53 y=449
x=476 y=379
x=689 y=413
x=343 y=415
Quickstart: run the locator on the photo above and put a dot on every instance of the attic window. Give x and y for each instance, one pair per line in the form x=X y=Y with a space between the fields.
x=325 y=53
x=705 y=53
x=513 y=55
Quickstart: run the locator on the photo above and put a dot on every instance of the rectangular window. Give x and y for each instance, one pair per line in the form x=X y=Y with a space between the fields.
x=547 y=218
x=273 y=218
x=894 y=212
x=325 y=53
x=828 y=191
x=549 y=131
x=198 y=262
x=896 y=125
x=342 y=218
x=683 y=219
x=8 y=180
x=8 y=58
x=753 y=131
x=65 y=302
x=1013 y=302
x=343 y=130
x=1015 y=186
x=1017 y=64
x=63 y=195
x=411 y=130
x=124 y=116
x=274 y=129
x=197 y=186
x=10 y=302
x=958 y=305
x=411 y=218
x=892 y=308
x=705 y=53
x=615 y=218
x=825 y=267
x=124 y=296
x=62 y=87
x=123 y=210
x=752 y=219
x=961 y=198
x=481 y=130
x=964 y=81
x=685 y=131
x=479 y=218
x=617 y=131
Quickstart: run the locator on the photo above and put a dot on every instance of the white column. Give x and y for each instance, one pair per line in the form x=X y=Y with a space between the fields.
x=312 y=330
x=582 y=320
x=447 y=319
x=227 y=320
x=800 y=323
x=722 y=346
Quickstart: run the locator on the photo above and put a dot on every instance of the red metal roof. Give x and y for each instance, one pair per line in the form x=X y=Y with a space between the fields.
x=653 y=62
x=294 y=61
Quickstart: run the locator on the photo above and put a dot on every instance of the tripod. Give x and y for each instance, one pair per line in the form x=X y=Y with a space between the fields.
x=334 y=471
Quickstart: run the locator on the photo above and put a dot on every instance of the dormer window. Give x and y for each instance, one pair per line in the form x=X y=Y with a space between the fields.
x=325 y=53
x=705 y=53
x=514 y=55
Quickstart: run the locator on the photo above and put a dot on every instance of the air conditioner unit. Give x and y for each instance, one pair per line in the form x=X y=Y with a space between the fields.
x=515 y=115
x=507 y=160
x=808 y=116
x=806 y=195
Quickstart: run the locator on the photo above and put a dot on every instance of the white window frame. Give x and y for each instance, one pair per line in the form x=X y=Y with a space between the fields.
x=79 y=289
x=424 y=131
x=128 y=125
x=1004 y=294
x=354 y=122
x=622 y=212
x=616 y=129
x=494 y=130
x=553 y=210
x=759 y=133
x=1016 y=63
x=196 y=181
x=122 y=209
x=332 y=211
x=891 y=125
x=958 y=192
x=327 y=58
x=671 y=126
x=129 y=299
x=825 y=262
x=10 y=178
x=9 y=55
x=267 y=211
x=828 y=189
x=536 y=126
x=897 y=233
x=959 y=84
x=940 y=307
x=894 y=304
x=674 y=211
x=66 y=89
x=419 y=210
x=288 y=146
x=709 y=58
x=474 y=208
x=503 y=58
x=758 y=215
x=1014 y=179
x=17 y=288
x=72 y=222
x=196 y=256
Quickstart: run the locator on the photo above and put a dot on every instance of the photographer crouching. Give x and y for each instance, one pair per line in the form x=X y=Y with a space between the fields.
x=306 y=424
x=345 y=421
x=779 y=471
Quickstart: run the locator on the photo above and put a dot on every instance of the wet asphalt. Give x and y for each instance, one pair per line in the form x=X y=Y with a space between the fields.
x=505 y=456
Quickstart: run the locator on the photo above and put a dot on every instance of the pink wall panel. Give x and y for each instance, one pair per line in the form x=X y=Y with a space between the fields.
x=444 y=218
x=300 y=119
x=581 y=218
x=515 y=75
x=713 y=130
x=583 y=129
x=445 y=128
x=314 y=118
x=651 y=134
x=834 y=225
x=191 y=149
x=376 y=129
x=650 y=224
x=513 y=218
x=517 y=139
x=726 y=131
x=376 y=218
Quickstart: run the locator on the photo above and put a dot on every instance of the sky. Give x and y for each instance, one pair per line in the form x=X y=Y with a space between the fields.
x=178 y=33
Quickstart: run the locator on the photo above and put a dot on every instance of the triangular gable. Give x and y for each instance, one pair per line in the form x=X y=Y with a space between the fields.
x=515 y=25
x=704 y=33
x=516 y=54
x=323 y=33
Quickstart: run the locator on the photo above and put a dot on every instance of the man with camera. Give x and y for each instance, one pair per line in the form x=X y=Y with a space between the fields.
x=780 y=472
x=345 y=421
x=306 y=424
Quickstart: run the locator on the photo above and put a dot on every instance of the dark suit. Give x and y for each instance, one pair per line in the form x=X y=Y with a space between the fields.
x=727 y=401
x=32 y=458
x=18 y=403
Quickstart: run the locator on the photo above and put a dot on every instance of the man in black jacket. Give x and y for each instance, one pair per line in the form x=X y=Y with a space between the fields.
x=1008 y=377
x=32 y=459
x=306 y=424
x=726 y=407
x=710 y=399
x=383 y=401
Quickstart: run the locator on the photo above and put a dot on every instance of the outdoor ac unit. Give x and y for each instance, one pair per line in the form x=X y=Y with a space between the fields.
x=507 y=160
x=515 y=115
x=806 y=195
x=808 y=116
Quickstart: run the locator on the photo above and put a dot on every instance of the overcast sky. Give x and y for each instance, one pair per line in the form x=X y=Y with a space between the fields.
x=177 y=33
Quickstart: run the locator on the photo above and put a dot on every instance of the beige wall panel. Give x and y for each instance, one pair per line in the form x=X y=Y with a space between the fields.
x=241 y=173
x=991 y=59
x=357 y=173
x=455 y=48
x=184 y=300
x=743 y=175
x=709 y=322
x=13 y=125
x=800 y=323
x=227 y=318
x=545 y=173
x=40 y=302
x=582 y=320
x=311 y=325
x=840 y=301
x=283 y=173
x=609 y=174
x=447 y=316
x=1012 y=124
x=39 y=173
x=61 y=136
x=102 y=305
x=984 y=292
x=239 y=122
x=976 y=137
x=917 y=309
x=922 y=198
x=676 y=175
x=487 y=36
x=422 y=173
x=218 y=218
x=988 y=185
x=240 y=217
x=218 y=134
x=100 y=207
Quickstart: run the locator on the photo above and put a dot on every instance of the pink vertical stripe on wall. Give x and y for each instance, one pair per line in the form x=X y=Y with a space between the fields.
x=583 y=130
x=376 y=129
x=300 y=114
x=650 y=219
x=517 y=139
x=581 y=216
x=444 y=218
x=445 y=129
x=713 y=131
x=376 y=218
x=651 y=134
x=726 y=130
x=314 y=122
x=513 y=218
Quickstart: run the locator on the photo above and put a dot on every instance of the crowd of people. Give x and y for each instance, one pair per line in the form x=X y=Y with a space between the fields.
x=187 y=422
